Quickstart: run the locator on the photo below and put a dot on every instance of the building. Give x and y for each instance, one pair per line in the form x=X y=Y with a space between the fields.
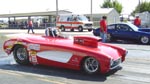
x=111 y=13
x=18 y=20
x=145 y=18
x=49 y=17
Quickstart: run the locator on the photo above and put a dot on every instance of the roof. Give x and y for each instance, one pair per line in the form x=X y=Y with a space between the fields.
x=34 y=14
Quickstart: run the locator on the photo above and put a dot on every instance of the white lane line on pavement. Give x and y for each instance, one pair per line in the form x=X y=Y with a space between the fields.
x=9 y=72
x=51 y=81
x=136 y=78
x=19 y=73
x=36 y=76
x=127 y=77
x=137 y=68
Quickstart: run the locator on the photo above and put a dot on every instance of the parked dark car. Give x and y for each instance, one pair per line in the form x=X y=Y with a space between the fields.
x=126 y=31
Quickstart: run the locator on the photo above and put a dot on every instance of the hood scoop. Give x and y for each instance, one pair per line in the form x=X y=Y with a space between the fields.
x=87 y=41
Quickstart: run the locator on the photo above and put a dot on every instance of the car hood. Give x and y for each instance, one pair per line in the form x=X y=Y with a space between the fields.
x=87 y=22
x=109 y=52
x=144 y=29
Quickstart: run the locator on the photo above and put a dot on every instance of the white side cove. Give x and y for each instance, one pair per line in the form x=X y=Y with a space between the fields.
x=58 y=56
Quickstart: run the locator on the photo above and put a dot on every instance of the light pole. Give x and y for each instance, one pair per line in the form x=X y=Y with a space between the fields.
x=139 y=6
x=91 y=18
x=56 y=8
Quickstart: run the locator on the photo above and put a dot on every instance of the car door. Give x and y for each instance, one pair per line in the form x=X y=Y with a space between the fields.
x=69 y=22
x=74 y=22
x=123 y=32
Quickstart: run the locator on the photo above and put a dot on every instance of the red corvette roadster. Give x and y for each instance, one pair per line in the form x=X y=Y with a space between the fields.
x=79 y=53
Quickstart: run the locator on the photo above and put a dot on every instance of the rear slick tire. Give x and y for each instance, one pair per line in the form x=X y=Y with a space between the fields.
x=21 y=55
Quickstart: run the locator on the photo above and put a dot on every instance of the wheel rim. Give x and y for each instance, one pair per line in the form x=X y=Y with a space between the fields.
x=144 y=39
x=21 y=54
x=80 y=28
x=91 y=65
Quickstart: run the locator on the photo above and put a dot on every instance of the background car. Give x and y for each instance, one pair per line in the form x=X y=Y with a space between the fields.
x=73 y=21
x=79 y=53
x=126 y=31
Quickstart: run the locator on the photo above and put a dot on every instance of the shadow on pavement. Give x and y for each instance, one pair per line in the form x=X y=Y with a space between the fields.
x=57 y=72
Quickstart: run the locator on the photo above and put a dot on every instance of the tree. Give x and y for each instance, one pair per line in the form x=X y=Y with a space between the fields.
x=112 y=4
x=107 y=4
x=144 y=6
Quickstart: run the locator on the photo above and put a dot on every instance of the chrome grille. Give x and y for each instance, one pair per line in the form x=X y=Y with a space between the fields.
x=88 y=25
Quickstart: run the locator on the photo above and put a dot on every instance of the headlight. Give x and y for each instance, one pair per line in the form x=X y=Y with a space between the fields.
x=114 y=64
x=126 y=53
x=111 y=62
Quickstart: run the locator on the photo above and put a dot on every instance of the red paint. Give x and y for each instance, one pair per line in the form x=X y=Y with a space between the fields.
x=89 y=46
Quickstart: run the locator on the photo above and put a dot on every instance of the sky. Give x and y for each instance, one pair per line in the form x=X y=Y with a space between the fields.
x=75 y=6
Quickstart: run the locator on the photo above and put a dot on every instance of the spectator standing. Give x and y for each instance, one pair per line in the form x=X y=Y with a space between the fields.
x=137 y=21
x=26 y=24
x=30 y=26
x=103 y=29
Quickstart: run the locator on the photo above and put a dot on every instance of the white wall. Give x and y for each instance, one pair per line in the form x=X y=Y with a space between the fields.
x=145 y=18
x=112 y=17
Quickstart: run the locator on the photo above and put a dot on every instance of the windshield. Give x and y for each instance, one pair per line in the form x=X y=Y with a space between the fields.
x=135 y=28
x=82 y=18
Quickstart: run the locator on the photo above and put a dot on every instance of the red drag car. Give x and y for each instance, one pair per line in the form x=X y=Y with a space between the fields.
x=80 y=53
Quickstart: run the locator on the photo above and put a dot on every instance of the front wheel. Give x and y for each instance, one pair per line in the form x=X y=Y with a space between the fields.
x=90 y=30
x=80 y=29
x=72 y=29
x=62 y=28
x=90 y=65
x=21 y=55
x=144 y=40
